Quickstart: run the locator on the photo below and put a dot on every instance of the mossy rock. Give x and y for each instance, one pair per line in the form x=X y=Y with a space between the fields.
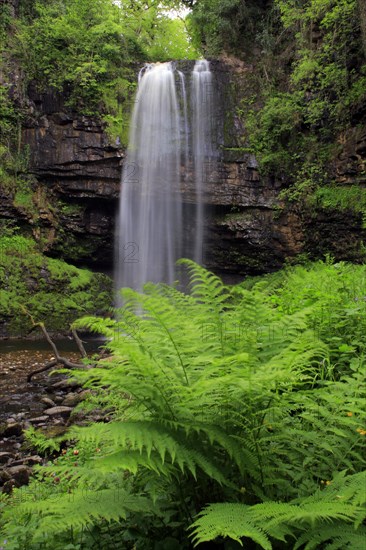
x=51 y=290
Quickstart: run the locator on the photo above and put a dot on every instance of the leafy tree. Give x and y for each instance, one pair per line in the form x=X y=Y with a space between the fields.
x=226 y=25
x=83 y=47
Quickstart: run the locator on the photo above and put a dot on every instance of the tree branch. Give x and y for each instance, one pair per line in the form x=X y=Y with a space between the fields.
x=59 y=359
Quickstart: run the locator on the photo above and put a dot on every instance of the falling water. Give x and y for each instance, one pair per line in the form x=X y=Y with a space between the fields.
x=185 y=123
x=150 y=223
x=202 y=117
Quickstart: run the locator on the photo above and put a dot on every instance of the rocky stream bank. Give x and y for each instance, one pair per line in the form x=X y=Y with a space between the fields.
x=46 y=403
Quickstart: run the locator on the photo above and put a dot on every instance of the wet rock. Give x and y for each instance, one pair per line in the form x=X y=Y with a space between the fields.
x=39 y=419
x=60 y=410
x=28 y=460
x=10 y=420
x=47 y=401
x=72 y=399
x=20 y=474
x=4 y=477
x=8 y=486
x=5 y=456
x=12 y=429
x=65 y=385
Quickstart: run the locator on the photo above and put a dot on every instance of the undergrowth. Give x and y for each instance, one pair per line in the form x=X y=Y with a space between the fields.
x=237 y=418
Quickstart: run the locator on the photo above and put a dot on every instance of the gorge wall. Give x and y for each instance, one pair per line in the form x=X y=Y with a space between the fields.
x=249 y=230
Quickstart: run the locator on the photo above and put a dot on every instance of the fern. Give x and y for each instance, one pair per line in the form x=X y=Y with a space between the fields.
x=307 y=519
x=224 y=394
x=228 y=520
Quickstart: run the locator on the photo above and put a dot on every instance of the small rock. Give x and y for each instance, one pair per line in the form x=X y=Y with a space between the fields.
x=4 y=476
x=20 y=474
x=58 y=422
x=4 y=457
x=38 y=419
x=84 y=394
x=72 y=399
x=13 y=428
x=8 y=486
x=47 y=401
x=29 y=460
x=58 y=399
x=65 y=385
x=54 y=411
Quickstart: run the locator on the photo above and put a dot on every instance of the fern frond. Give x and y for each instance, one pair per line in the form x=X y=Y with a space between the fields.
x=83 y=507
x=227 y=520
x=153 y=439
x=339 y=536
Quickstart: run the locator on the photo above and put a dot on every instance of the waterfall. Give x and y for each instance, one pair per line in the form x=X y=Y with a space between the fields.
x=162 y=146
x=202 y=117
x=185 y=123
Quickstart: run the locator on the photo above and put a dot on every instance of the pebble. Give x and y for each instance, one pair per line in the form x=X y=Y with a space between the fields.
x=47 y=401
x=38 y=419
x=72 y=399
x=12 y=428
x=54 y=411
x=65 y=384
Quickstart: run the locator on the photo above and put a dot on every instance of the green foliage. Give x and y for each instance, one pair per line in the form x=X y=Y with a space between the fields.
x=342 y=503
x=83 y=47
x=250 y=395
x=320 y=88
x=350 y=197
x=51 y=290
x=225 y=25
x=171 y=41
x=37 y=440
x=13 y=160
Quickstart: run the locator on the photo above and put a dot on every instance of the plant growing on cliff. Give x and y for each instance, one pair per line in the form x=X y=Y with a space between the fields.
x=308 y=102
x=243 y=395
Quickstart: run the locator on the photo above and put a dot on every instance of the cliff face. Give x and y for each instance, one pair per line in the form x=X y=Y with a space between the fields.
x=247 y=230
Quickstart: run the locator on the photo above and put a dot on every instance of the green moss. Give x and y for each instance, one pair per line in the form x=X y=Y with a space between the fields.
x=53 y=291
x=69 y=209
x=352 y=197
x=76 y=248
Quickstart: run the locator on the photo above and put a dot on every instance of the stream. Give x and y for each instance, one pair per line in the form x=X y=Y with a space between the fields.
x=46 y=402
x=20 y=357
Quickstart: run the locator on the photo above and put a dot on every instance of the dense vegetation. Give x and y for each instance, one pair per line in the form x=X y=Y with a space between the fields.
x=307 y=91
x=243 y=405
x=83 y=48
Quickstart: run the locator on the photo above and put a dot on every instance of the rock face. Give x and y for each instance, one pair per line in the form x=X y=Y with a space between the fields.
x=246 y=232
x=70 y=153
x=74 y=161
